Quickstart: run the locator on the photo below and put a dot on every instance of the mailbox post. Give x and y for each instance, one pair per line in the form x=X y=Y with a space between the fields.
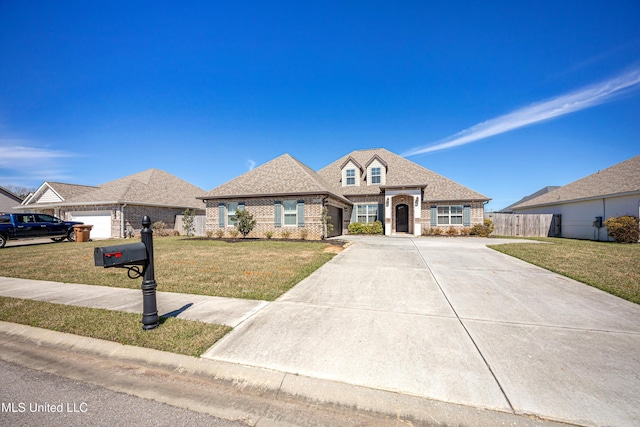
x=131 y=256
x=150 y=319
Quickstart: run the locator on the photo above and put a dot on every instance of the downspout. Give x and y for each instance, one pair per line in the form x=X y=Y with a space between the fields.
x=122 y=220
x=604 y=214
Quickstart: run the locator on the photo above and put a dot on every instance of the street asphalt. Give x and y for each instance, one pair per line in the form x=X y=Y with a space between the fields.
x=435 y=330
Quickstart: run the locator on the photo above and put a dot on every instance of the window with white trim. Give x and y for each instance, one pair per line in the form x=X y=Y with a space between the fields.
x=449 y=215
x=351 y=176
x=376 y=175
x=231 y=213
x=366 y=214
x=290 y=208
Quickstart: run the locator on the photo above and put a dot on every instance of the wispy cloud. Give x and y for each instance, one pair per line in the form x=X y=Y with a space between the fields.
x=251 y=164
x=581 y=99
x=20 y=162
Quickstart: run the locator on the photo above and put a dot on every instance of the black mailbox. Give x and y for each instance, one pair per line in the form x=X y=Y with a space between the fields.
x=120 y=255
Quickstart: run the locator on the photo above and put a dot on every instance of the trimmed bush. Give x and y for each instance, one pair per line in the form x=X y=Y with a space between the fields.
x=359 y=228
x=482 y=230
x=624 y=229
x=304 y=233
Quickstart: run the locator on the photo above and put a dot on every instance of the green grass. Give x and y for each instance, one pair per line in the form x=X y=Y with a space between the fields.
x=253 y=269
x=173 y=335
x=612 y=267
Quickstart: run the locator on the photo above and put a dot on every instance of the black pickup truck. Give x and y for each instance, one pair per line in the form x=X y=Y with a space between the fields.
x=15 y=226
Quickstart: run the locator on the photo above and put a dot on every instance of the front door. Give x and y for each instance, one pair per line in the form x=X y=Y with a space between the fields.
x=402 y=219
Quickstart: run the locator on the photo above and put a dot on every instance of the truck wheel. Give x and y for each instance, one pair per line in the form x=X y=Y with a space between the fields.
x=3 y=240
x=71 y=236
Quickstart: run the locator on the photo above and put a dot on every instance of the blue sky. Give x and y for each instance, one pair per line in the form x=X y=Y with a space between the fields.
x=503 y=97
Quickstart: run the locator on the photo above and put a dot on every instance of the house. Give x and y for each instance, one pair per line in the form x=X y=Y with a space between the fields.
x=586 y=203
x=116 y=206
x=8 y=200
x=545 y=190
x=286 y=197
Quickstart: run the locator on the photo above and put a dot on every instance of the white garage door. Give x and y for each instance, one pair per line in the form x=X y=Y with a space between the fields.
x=101 y=221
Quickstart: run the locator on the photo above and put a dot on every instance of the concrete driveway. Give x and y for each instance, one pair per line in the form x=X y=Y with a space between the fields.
x=451 y=320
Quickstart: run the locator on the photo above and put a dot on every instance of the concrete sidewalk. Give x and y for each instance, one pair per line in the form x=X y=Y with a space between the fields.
x=226 y=311
x=418 y=320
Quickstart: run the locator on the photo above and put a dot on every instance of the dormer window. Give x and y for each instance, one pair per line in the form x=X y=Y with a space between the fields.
x=351 y=176
x=375 y=175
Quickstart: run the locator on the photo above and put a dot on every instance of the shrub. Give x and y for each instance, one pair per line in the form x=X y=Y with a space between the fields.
x=437 y=231
x=233 y=233
x=160 y=229
x=219 y=233
x=624 y=229
x=372 y=228
x=482 y=230
x=304 y=233
x=269 y=234
x=452 y=231
x=244 y=222
x=285 y=234
x=465 y=231
x=209 y=234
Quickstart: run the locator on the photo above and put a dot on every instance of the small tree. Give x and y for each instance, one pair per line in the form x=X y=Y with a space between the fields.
x=326 y=222
x=624 y=229
x=188 y=219
x=244 y=222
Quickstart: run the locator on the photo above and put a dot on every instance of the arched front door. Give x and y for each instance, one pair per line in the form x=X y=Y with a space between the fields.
x=402 y=218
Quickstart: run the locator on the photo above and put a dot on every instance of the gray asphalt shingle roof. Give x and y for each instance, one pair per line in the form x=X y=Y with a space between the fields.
x=287 y=176
x=400 y=172
x=621 y=178
x=283 y=175
x=67 y=191
x=149 y=187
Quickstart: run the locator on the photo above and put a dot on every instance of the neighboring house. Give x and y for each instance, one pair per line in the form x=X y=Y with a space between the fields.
x=587 y=202
x=117 y=206
x=8 y=201
x=545 y=190
x=286 y=196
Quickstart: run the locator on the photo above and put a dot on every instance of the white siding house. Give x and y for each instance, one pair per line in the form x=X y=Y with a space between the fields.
x=585 y=204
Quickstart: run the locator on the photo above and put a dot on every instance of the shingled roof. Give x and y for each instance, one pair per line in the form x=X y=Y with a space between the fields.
x=150 y=187
x=282 y=176
x=400 y=173
x=620 y=179
x=545 y=190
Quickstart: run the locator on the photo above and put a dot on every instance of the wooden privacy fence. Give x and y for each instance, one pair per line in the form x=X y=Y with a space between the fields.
x=198 y=224
x=526 y=225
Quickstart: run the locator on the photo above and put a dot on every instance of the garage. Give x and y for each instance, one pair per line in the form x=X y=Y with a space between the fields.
x=336 y=220
x=100 y=220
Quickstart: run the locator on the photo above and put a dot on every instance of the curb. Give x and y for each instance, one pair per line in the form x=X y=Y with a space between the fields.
x=253 y=395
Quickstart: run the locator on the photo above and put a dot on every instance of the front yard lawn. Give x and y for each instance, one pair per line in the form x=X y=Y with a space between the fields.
x=261 y=270
x=612 y=267
x=173 y=335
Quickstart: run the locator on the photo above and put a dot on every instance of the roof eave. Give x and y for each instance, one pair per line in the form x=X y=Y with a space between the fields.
x=289 y=194
x=582 y=199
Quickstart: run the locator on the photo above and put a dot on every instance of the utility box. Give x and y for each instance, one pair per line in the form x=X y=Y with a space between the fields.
x=120 y=255
x=598 y=222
